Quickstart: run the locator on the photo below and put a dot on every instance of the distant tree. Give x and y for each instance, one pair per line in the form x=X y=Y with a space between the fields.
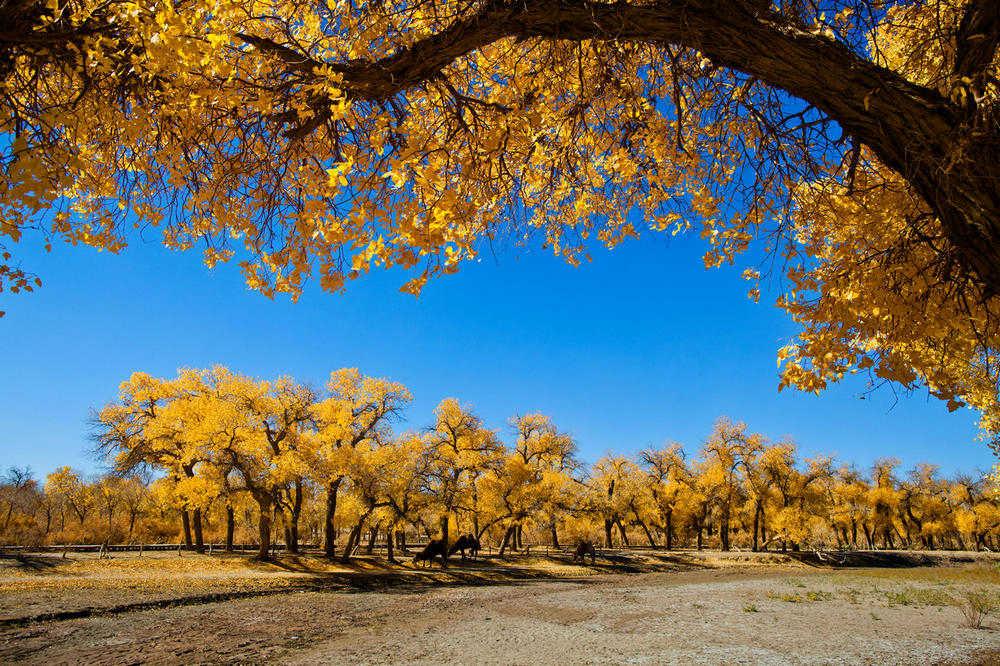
x=462 y=448
x=356 y=408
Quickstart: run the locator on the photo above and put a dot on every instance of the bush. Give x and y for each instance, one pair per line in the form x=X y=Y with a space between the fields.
x=975 y=606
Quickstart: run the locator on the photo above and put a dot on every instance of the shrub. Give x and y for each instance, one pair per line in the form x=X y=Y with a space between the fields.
x=975 y=606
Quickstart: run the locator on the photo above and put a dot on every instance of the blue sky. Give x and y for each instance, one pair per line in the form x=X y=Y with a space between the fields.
x=640 y=346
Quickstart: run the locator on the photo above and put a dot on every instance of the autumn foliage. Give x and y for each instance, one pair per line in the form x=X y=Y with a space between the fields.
x=851 y=141
x=223 y=458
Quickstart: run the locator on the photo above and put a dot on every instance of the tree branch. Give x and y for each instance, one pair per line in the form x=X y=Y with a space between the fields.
x=978 y=38
x=912 y=129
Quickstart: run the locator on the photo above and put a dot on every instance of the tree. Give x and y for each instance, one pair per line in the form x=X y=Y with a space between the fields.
x=337 y=138
x=18 y=501
x=463 y=448
x=159 y=424
x=665 y=469
x=72 y=491
x=257 y=429
x=357 y=408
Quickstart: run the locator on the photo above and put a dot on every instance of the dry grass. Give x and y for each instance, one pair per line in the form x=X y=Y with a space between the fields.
x=975 y=606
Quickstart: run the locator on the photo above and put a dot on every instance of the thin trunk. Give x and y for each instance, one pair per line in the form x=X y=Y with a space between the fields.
x=724 y=530
x=186 y=523
x=506 y=539
x=444 y=536
x=621 y=529
x=372 y=536
x=199 y=540
x=230 y=527
x=295 y=510
x=554 y=535
x=330 y=536
x=353 y=539
x=649 y=536
x=756 y=526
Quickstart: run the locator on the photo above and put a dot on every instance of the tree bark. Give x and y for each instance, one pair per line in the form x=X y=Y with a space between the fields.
x=505 y=540
x=621 y=530
x=186 y=524
x=444 y=536
x=756 y=526
x=649 y=536
x=390 y=536
x=199 y=540
x=264 y=530
x=352 y=540
x=330 y=537
x=230 y=528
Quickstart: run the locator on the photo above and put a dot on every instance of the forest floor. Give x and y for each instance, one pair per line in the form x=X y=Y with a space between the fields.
x=631 y=606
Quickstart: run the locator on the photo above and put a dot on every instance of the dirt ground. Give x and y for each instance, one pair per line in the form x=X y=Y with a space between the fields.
x=678 y=608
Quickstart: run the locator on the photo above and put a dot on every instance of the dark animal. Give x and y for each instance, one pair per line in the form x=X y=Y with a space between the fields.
x=582 y=550
x=465 y=542
x=431 y=550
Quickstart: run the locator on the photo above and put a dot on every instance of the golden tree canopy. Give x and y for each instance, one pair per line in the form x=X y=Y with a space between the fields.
x=317 y=139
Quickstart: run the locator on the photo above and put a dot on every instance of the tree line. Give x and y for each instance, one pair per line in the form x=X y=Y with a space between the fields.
x=216 y=456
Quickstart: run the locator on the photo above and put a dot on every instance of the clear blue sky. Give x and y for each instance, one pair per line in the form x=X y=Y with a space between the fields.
x=640 y=346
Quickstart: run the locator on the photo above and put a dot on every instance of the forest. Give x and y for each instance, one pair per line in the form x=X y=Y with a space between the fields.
x=215 y=457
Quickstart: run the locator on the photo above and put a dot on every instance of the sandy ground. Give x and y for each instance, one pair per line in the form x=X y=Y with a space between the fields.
x=736 y=613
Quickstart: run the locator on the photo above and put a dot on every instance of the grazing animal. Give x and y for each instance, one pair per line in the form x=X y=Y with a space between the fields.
x=466 y=542
x=583 y=549
x=433 y=548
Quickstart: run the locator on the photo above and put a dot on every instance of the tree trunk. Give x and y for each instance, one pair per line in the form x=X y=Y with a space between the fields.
x=186 y=523
x=372 y=536
x=649 y=536
x=264 y=530
x=352 y=540
x=199 y=541
x=230 y=527
x=330 y=532
x=295 y=511
x=756 y=526
x=503 y=542
x=621 y=529
x=608 y=524
x=444 y=536
x=554 y=535
x=390 y=536
x=669 y=530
